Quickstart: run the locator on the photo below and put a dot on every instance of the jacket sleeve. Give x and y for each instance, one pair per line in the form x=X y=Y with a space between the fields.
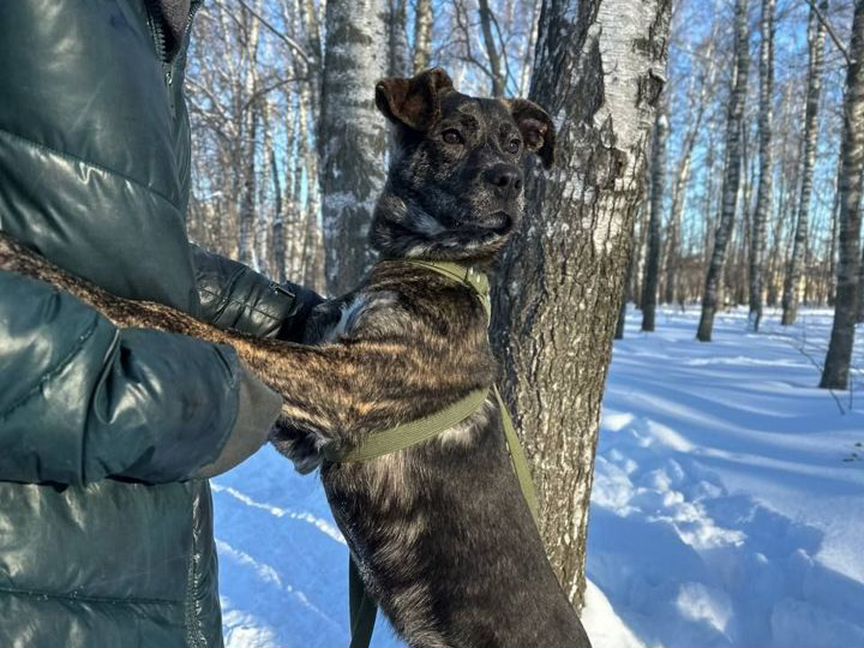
x=81 y=400
x=235 y=297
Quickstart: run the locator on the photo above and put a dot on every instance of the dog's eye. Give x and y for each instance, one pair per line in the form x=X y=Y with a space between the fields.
x=452 y=136
x=514 y=145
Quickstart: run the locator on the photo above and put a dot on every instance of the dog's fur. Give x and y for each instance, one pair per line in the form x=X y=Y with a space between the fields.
x=444 y=539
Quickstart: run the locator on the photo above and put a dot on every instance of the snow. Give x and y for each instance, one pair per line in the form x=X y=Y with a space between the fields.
x=723 y=511
x=728 y=505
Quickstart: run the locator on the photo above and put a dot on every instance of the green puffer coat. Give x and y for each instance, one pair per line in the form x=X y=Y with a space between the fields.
x=106 y=532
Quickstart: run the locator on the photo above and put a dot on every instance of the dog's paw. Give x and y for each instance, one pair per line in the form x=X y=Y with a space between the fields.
x=300 y=446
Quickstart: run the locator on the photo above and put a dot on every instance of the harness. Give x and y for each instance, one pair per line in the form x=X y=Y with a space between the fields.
x=363 y=609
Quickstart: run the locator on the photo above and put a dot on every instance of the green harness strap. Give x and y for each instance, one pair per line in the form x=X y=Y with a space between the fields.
x=362 y=607
x=408 y=434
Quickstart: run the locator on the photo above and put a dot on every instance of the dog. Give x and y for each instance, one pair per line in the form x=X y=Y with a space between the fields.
x=441 y=533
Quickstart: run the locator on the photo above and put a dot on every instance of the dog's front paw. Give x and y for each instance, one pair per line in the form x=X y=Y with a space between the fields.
x=300 y=446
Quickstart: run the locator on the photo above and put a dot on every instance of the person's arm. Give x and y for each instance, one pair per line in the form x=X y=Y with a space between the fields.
x=81 y=400
x=235 y=297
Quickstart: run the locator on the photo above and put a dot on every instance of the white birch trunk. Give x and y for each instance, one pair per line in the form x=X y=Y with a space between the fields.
x=731 y=176
x=766 y=163
x=352 y=138
x=399 y=63
x=835 y=375
x=599 y=72
x=792 y=285
x=652 y=265
x=247 y=112
x=423 y=21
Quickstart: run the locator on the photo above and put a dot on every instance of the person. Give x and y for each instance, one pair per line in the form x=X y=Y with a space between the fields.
x=107 y=436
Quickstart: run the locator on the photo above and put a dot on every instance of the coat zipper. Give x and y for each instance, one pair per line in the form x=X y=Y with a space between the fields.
x=158 y=31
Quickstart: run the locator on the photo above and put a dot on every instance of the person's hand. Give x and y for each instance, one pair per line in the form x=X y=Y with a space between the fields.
x=295 y=326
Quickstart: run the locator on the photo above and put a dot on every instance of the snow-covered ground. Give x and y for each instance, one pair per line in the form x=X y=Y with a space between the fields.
x=728 y=506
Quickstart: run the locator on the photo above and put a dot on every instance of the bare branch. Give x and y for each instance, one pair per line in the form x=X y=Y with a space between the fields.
x=290 y=42
x=827 y=25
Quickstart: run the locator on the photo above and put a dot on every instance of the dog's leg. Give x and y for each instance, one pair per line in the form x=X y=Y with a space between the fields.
x=333 y=394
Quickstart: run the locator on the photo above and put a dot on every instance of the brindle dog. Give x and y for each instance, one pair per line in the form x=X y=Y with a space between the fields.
x=444 y=538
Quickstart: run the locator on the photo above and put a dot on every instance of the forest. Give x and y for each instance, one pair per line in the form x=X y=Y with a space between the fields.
x=745 y=191
x=710 y=159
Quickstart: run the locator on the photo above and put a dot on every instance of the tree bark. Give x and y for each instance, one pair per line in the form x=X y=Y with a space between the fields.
x=628 y=279
x=495 y=72
x=423 y=20
x=352 y=137
x=792 y=284
x=600 y=71
x=679 y=194
x=835 y=227
x=766 y=163
x=731 y=175
x=247 y=108
x=278 y=227
x=652 y=265
x=835 y=375
x=312 y=257
x=399 y=64
x=860 y=317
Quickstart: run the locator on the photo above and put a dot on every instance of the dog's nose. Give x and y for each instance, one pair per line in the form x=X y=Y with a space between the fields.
x=505 y=179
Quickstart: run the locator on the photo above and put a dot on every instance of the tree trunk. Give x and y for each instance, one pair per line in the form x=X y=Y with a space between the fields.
x=731 y=175
x=528 y=56
x=836 y=372
x=247 y=200
x=495 y=72
x=311 y=265
x=352 y=138
x=860 y=318
x=247 y=113
x=766 y=163
x=423 y=20
x=835 y=226
x=278 y=224
x=652 y=265
x=639 y=253
x=398 y=64
x=673 y=245
x=709 y=197
x=628 y=279
x=278 y=232
x=706 y=84
x=299 y=211
x=308 y=23
x=792 y=284
x=559 y=293
x=736 y=266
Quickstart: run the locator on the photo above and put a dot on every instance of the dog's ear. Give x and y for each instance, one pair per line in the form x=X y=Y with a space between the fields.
x=414 y=102
x=536 y=127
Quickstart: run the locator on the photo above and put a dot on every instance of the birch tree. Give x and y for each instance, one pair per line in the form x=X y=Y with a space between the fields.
x=248 y=109
x=766 y=162
x=351 y=137
x=423 y=20
x=731 y=174
x=560 y=286
x=658 y=177
x=682 y=176
x=493 y=54
x=816 y=47
x=835 y=374
x=397 y=25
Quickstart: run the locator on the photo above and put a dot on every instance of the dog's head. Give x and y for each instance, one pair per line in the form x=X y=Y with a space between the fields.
x=455 y=189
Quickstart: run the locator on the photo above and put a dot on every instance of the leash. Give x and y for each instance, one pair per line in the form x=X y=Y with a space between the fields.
x=363 y=608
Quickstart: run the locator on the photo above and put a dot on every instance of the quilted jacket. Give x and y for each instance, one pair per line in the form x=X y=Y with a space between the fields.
x=106 y=534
